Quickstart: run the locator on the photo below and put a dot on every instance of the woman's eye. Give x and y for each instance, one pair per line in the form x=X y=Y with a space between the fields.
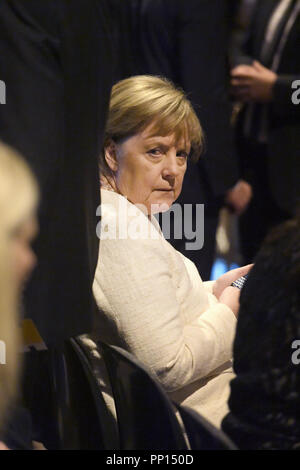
x=155 y=152
x=182 y=155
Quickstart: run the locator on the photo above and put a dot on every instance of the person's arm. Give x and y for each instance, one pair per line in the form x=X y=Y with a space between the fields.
x=259 y=84
x=135 y=281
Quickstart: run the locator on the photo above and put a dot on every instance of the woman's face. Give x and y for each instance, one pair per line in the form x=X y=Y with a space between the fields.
x=149 y=170
x=24 y=259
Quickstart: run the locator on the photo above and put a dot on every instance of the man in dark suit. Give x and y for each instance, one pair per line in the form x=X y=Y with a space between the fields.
x=268 y=127
x=187 y=42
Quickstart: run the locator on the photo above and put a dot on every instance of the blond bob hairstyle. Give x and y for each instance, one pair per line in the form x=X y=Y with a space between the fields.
x=18 y=201
x=139 y=101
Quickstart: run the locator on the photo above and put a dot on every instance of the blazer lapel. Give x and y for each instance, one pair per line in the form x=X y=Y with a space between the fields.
x=265 y=11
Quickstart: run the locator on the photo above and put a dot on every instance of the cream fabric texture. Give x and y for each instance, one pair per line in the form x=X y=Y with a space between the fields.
x=153 y=303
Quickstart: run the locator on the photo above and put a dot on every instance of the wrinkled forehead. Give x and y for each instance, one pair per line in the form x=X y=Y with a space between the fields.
x=178 y=135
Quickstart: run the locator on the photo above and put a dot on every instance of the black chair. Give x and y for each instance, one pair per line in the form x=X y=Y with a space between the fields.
x=65 y=401
x=83 y=419
x=146 y=416
x=201 y=434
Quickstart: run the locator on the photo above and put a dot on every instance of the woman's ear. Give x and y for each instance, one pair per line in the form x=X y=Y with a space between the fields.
x=110 y=154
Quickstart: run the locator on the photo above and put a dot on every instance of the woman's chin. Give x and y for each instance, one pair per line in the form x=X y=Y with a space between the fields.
x=161 y=206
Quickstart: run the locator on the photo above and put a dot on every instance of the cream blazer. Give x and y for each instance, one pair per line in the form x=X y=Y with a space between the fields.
x=153 y=303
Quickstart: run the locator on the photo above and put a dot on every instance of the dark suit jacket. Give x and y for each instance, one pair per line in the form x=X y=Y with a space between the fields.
x=55 y=58
x=125 y=15
x=283 y=115
x=186 y=42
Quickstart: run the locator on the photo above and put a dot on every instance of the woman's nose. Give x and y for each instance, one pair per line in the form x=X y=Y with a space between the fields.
x=171 y=168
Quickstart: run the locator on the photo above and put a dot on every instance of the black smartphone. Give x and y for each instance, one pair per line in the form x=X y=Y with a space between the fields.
x=239 y=283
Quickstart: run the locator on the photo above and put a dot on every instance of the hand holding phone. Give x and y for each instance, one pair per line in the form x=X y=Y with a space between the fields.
x=239 y=283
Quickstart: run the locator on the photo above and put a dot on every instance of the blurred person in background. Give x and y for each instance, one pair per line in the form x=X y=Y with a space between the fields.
x=18 y=228
x=268 y=125
x=265 y=394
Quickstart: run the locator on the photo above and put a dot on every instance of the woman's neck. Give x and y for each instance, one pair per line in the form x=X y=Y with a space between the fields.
x=110 y=185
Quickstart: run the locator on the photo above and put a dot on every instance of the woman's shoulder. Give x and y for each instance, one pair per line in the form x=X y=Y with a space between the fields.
x=123 y=220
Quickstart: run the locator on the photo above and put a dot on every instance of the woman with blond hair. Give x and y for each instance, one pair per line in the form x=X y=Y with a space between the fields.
x=18 y=225
x=151 y=299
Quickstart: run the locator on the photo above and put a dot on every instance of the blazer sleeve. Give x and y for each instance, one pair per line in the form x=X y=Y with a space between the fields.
x=136 y=282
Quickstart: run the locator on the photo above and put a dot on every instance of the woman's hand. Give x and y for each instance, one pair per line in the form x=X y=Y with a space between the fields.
x=231 y=297
x=227 y=279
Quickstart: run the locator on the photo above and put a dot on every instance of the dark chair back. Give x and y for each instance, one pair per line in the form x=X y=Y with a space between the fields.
x=146 y=416
x=84 y=420
x=201 y=434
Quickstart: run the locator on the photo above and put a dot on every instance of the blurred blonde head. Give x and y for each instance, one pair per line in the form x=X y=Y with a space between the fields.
x=139 y=101
x=18 y=201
